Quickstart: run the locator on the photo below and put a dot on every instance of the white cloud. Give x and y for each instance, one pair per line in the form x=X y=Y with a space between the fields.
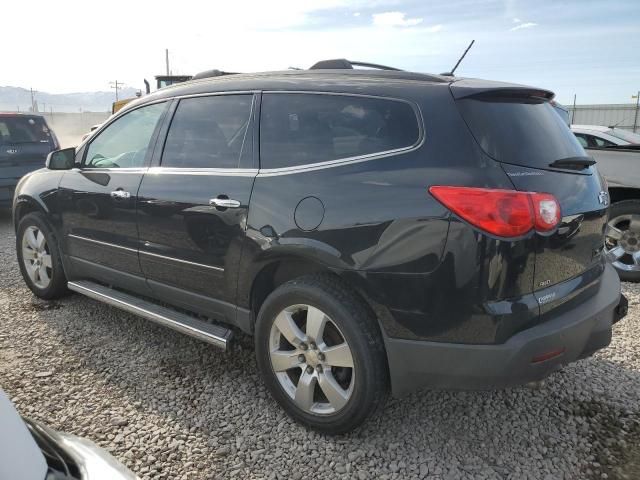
x=394 y=19
x=523 y=25
x=356 y=14
x=516 y=20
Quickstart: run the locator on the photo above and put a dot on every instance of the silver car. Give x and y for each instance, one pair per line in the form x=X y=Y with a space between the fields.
x=32 y=451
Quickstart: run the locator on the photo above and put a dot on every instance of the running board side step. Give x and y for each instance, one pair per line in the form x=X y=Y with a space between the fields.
x=214 y=334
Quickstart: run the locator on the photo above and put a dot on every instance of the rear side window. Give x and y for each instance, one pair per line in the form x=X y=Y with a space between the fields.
x=208 y=132
x=601 y=142
x=583 y=140
x=24 y=130
x=522 y=131
x=301 y=129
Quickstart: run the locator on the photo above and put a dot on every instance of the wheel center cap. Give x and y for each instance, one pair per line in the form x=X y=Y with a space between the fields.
x=630 y=242
x=312 y=358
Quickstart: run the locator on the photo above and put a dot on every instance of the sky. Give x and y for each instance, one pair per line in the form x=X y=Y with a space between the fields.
x=590 y=48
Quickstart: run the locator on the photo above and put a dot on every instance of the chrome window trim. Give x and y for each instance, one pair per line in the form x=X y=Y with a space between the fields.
x=133 y=250
x=113 y=169
x=100 y=242
x=174 y=259
x=269 y=172
x=211 y=94
x=238 y=172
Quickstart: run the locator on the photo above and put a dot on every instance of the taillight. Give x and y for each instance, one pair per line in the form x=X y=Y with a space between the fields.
x=547 y=211
x=504 y=213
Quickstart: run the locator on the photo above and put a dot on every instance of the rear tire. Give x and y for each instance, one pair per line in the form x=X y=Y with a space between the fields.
x=320 y=354
x=624 y=224
x=39 y=257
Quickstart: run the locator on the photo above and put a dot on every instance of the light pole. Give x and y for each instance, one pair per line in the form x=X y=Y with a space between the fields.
x=635 y=120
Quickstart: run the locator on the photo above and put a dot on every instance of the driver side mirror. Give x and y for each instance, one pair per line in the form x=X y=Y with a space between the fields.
x=64 y=159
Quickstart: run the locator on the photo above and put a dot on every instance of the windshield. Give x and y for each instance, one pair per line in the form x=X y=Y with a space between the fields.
x=625 y=135
x=519 y=130
x=24 y=130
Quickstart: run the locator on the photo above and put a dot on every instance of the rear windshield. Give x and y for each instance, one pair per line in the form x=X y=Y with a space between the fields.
x=523 y=131
x=24 y=130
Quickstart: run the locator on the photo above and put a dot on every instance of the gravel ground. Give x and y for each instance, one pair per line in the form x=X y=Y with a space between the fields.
x=172 y=407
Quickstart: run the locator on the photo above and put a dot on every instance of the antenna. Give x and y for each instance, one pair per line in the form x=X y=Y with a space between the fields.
x=450 y=74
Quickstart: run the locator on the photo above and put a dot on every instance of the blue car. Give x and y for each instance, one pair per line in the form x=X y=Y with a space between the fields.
x=25 y=142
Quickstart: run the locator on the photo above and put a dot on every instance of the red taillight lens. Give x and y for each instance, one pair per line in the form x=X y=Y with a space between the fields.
x=504 y=213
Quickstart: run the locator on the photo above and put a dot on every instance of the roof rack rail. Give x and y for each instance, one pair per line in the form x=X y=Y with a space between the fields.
x=344 y=64
x=211 y=73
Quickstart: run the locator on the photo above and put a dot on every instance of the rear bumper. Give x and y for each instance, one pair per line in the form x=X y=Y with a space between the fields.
x=7 y=189
x=577 y=333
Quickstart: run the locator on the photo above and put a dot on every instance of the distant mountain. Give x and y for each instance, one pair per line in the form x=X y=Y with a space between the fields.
x=16 y=98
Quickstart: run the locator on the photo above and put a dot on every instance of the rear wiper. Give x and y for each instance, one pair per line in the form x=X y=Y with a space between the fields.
x=573 y=163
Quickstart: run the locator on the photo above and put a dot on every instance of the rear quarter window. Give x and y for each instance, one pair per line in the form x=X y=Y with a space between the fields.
x=302 y=129
x=519 y=130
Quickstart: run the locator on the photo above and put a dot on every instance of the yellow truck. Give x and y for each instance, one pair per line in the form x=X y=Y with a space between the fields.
x=161 y=82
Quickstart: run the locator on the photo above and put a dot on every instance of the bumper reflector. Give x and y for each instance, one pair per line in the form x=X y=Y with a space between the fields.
x=548 y=355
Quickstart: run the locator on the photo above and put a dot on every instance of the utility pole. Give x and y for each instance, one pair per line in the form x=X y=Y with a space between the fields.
x=117 y=85
x=573 y=112
x=635 y=121
x=166 y=59
x=34 y=107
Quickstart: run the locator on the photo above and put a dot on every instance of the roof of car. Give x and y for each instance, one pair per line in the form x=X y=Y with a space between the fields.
x=297 y=79
x=595 y=128
x=357 y=81
x=19 y=114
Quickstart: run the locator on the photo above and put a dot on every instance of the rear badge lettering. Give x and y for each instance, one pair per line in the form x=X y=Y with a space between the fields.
x=544 y=283
x=546 y=298
x=603 y=198
x=525 y=174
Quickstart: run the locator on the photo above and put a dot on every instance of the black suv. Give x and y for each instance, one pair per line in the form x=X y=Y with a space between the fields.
x=373 y=229
x=25 y=141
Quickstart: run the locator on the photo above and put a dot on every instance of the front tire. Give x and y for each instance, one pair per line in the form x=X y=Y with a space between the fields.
x=39 y=257
x=321 y=354
x=622 y=239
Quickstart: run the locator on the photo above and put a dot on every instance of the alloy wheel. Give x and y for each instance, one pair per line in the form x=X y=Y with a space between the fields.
x=622 y=242
x=36 y=257
x=311 y=359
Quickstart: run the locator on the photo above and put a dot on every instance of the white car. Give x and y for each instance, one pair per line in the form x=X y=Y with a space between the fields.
x=30 y=450
x=596 y=136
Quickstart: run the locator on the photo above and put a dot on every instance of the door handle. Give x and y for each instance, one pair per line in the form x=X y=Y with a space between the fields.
x=119 y=194
x=224 y=203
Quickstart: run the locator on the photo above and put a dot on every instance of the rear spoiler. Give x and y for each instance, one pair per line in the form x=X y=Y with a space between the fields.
x=471 y=87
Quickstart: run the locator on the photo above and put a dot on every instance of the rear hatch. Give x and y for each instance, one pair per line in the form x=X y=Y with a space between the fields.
x=25 y=141
x=518 y=127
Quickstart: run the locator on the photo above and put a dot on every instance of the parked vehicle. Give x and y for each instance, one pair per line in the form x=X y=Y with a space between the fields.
x=596 y=136
x=30 y=450
x=384 y=229
x=25 y=141
x=619 y=164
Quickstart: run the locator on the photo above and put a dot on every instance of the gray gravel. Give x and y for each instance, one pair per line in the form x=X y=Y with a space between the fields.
x=172 y=407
